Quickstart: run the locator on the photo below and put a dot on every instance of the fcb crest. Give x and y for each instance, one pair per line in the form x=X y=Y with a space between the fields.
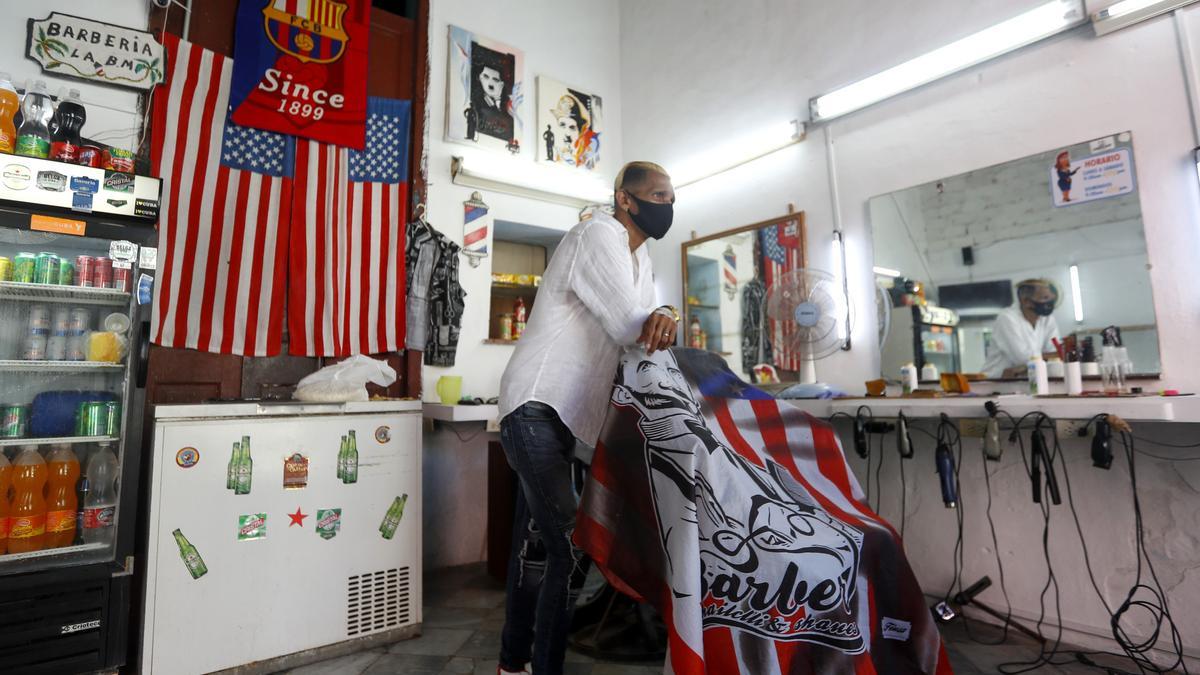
x=310 y=30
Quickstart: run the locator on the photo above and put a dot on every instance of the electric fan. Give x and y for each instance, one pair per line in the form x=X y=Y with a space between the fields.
x=813 y=317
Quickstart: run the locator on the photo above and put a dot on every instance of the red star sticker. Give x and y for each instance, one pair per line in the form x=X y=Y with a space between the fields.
x=297 y=518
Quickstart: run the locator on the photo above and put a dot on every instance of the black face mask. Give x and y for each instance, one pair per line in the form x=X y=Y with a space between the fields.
x=1043 y=308
x=652 y=218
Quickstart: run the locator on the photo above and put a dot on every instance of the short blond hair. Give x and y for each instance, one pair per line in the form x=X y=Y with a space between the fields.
x=634 y=172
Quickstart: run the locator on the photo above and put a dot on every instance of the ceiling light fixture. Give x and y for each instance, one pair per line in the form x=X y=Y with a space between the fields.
x=736 y=151
x=886 y=271
x=1128 y=12
x=1038 y=23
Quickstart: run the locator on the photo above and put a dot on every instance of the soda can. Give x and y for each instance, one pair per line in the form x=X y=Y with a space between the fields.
x=60 y=321
x=35 y=348
x=112 y=418
x=79 y=321
x=118 y=159
x=93 y=418
x=76 y=348
x=102 y=274
x=23 y=267
x=90 y=155
x=84 y=268
x=66 y=272
x=45 y=270
x=122 y=278
x=56 y=348
x=5 y=269
x=39 y=320
x=15 y=421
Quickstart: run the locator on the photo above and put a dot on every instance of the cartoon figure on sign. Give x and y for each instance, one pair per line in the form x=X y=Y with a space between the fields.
x=1062 y=165
x=772 y=562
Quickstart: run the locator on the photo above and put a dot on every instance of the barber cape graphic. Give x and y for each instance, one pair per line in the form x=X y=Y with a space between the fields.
x=310 y=30
x=739 y=519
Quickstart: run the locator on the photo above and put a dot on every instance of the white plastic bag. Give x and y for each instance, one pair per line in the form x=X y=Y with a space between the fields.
x=345 y=381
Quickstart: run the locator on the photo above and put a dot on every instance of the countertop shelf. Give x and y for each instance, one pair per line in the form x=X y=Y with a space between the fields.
x=1136 y=409
x=15 y=290
x=499 y=341
x=17 y=365
x=461 y=413
x=57 y=440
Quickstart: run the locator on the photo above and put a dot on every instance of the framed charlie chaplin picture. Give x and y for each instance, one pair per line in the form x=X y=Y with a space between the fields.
x=485 y=92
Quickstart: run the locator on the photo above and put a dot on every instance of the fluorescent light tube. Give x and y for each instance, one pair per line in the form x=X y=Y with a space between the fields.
x=842 y=301
x=886 y=271
x=557 y=185
x=1006 y=36
x=1076 y=295
x=1128 y=12
x=742 y=149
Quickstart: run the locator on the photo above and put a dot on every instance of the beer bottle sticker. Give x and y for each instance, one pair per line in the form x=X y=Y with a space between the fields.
x=252 y=526
x=190 y=556
x=329 y=522
x=295 y=472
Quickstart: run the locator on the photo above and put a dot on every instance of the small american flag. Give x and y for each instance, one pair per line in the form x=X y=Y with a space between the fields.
x=226 y=207
x=347 y=288
x=781 y=253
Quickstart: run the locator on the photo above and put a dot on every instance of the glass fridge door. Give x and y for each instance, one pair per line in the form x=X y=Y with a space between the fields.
x=65 y=319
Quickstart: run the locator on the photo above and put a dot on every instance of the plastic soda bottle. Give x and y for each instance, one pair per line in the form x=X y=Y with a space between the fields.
x=27 y=513
x=68 y=123
x=33 y=138
x=5 y=481
x=62 y=503
x=9 y=104
x=100 y=507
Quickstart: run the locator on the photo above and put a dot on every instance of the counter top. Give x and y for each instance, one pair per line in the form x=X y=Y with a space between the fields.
x=1142 y=408
x=461 y=413
x=280 y=408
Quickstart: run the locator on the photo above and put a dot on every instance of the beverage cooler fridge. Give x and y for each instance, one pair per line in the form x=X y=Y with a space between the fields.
x=72 y=348
x=280 y=533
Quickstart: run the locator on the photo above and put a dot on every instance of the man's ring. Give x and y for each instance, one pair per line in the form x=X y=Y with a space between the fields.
x=666 y=333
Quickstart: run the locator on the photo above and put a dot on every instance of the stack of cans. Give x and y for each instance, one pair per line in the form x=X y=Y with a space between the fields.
x=48 y=268
x=57 y=335
x=79 y=323
x=37 y=334
x=98 y=418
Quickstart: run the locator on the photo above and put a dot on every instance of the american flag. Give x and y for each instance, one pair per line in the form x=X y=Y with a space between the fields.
x=739 y=519
x=347 y=254
x=225 y=212
x=781 y=253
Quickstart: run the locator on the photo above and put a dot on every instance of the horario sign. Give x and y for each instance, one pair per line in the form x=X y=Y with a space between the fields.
x=73 y=46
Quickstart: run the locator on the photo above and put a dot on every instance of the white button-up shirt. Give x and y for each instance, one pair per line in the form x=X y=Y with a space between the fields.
x=1014 y=340
x=594 y=298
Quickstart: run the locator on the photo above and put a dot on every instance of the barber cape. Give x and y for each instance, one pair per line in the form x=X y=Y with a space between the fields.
x=739 y=519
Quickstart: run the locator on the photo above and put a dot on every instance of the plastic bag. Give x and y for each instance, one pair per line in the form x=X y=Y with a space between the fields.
x=345 y=381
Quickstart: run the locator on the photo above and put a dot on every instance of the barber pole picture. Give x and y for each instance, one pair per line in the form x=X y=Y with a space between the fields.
x=477 y=229
x=729 y=272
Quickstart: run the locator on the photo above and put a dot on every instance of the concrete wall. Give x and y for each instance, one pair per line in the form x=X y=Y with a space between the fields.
x=573 y=42
x=112 y=112
x=763 y=61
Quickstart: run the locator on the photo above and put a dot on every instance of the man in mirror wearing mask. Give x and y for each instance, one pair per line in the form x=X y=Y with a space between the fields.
x=596 y=299
x=1024 y=329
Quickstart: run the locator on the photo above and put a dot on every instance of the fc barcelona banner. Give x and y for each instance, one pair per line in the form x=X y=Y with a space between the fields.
x=300 y=68
x=737 y=516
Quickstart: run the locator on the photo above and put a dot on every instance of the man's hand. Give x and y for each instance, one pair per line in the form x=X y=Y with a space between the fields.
x=658 y=333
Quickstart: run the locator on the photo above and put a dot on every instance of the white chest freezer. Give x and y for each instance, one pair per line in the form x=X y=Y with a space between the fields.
x=301 y=548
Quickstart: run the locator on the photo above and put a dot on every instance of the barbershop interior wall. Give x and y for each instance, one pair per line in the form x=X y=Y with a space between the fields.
x=766 y=59
x=573 y=42
x=112 y=112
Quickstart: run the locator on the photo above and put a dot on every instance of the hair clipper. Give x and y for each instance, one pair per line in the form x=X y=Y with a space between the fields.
x=903 y=438
x=945 y=469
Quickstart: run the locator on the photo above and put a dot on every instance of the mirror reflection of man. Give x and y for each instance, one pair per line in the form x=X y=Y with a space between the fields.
x=1024 y=329
x=597 y=297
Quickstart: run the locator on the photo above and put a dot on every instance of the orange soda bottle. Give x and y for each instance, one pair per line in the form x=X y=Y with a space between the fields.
x=5 y=480
x=9 y=104
x=27 y=513
x=62 y=503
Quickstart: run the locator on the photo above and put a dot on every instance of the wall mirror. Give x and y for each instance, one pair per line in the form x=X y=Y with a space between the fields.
x=725 y=280
x=950 y=257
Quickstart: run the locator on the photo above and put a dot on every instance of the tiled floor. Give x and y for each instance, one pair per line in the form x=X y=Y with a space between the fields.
x=464 y=612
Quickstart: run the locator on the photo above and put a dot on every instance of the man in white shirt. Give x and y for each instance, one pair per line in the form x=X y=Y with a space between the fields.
x=1024 y=329
x=596 y=298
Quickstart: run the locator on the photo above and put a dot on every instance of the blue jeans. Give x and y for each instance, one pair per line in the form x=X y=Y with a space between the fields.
x=546 y=570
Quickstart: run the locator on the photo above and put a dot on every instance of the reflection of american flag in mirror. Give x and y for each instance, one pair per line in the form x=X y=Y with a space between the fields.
x=781 y=253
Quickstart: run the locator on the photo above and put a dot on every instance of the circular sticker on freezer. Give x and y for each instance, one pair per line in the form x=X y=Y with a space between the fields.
x=383 y=434
x=187 y=457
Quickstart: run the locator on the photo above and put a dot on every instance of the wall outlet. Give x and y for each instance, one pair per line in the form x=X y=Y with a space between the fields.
x=972 y=428
x=1072 y=429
